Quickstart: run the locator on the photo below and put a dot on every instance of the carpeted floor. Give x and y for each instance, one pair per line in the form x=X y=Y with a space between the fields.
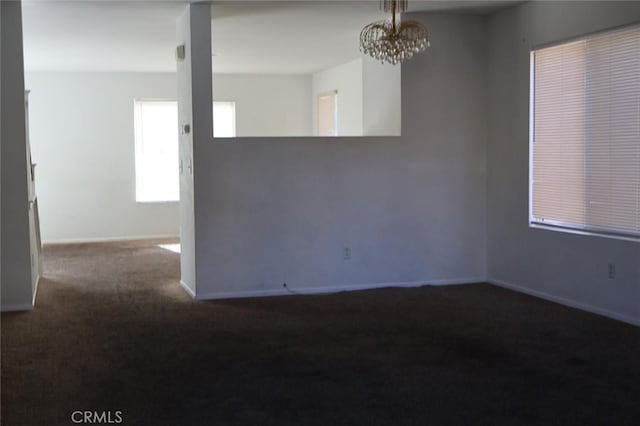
x=112 y=331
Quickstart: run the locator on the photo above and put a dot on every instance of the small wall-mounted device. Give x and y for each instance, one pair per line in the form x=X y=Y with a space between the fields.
x=181 y=52
x=186 y=128
x=611 y=270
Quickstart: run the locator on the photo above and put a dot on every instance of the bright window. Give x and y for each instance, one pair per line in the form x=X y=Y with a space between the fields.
x=585 y=134
x=328 y=114
x=156 y=146
x=224 y=119
x=157 y=177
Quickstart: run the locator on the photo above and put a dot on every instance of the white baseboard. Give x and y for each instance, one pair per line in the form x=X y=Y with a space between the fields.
x=567 y=302
x=17 y=308
x=108 y=239
x=328 y=290
x=187 y=289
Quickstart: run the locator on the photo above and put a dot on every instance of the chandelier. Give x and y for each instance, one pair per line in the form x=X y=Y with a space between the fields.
x=392 y=40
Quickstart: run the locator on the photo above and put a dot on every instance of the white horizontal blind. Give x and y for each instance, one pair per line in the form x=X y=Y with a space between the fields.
x=586 y=134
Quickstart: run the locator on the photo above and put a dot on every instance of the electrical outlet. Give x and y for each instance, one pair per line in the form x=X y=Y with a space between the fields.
x=611 y=270
x=347 y=253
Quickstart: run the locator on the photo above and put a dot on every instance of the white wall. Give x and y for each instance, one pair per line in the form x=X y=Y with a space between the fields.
x=82 y=135
x=347 y=80
x=411 y=208
x=82 y=139
x=382 y=98
x=568 y=268
x=195 y=107
x=369 y=97
x=267 y=105
x=15 y=277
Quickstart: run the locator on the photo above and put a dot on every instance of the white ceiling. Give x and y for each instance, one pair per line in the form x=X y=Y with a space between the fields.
x=273 y=37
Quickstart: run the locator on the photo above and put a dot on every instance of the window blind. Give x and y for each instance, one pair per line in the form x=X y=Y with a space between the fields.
x=585 y=147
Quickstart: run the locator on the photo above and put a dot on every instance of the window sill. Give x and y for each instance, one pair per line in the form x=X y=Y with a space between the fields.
x=584 y=232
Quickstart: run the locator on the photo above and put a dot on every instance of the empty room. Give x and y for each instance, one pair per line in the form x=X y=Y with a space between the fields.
x=320 y=212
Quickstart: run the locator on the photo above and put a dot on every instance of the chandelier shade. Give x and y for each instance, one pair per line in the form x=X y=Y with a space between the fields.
x=393 y=41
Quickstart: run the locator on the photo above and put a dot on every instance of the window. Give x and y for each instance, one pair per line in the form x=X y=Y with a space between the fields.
x=224 y=119
x=156 y=146
x=157 y=177
x=328 y=114
x=585 y=135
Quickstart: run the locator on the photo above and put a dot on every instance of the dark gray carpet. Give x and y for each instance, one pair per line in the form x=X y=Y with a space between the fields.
x=112 y=331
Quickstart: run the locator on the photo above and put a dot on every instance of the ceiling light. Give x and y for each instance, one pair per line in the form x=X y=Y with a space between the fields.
x=391 y=40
